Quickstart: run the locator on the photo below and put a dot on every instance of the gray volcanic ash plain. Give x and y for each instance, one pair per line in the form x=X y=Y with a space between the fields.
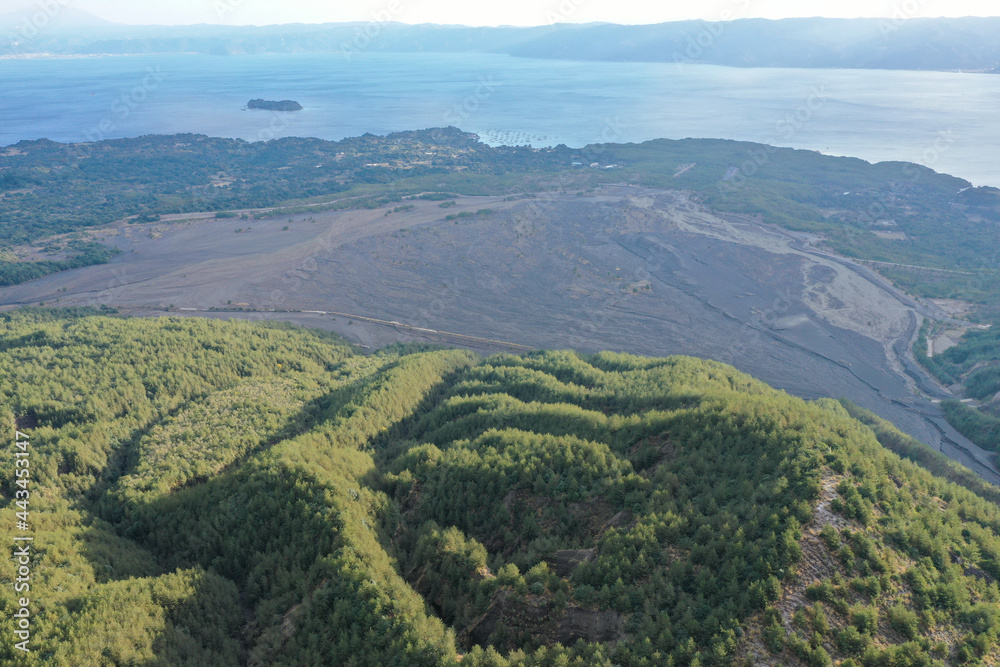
x=622 y=268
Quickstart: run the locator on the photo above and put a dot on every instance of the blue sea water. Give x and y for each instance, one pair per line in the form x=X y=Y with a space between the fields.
x=947 y=121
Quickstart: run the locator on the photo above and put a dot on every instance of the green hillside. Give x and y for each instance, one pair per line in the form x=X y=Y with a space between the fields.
x=233 y=493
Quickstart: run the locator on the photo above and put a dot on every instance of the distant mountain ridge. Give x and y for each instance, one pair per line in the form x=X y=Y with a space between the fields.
x=964 y=44
x=49 y=16
x=968 y=44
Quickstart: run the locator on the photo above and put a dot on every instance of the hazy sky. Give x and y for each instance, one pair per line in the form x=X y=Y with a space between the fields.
x=506 y=12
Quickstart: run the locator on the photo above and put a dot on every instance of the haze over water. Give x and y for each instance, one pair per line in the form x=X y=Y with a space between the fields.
x=943 y=120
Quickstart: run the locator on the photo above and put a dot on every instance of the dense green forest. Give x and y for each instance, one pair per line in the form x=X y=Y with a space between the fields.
x=215 y=493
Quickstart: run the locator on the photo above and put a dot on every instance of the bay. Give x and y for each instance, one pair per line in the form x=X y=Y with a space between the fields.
x=946 y=121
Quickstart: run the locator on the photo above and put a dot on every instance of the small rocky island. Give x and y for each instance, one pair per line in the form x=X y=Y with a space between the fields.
x=268 y=105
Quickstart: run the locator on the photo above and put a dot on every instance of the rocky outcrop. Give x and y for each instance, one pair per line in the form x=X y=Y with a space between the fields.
x=590 y=626
x=536 y=615
x=564 y=562
x=512 y=611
